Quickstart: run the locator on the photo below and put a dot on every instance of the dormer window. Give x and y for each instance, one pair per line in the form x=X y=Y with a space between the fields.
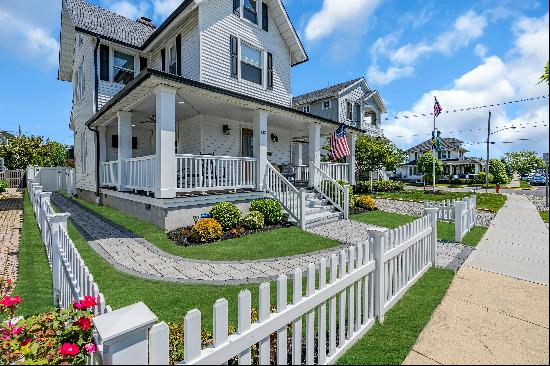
x=123 y=67
x=250 y=10
x=327 y=104
x=173 y=60
x=306 y=109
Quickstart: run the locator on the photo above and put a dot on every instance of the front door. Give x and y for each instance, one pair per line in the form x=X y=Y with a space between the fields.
x=247 y=143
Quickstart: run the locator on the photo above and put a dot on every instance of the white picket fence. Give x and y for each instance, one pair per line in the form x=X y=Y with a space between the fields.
x=461 y=212
x=71 y=278
x=342 y=299
x=53 y=179
x=13 y=178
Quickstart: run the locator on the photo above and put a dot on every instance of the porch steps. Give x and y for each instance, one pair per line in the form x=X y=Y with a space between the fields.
x=318 y=210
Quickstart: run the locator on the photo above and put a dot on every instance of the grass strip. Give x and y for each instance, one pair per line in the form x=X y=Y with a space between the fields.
x=544 y=215
x=34 y=283
x=390 y=343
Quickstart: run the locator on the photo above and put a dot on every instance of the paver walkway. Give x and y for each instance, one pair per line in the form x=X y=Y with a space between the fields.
x=496 y=309
x=134 y=255
x=11 y=217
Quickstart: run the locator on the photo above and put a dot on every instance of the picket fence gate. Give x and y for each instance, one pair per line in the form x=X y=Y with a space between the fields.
x=461 y=212
x=343 y=298
x=53 y=179
x=71 y=278
x=13 y=178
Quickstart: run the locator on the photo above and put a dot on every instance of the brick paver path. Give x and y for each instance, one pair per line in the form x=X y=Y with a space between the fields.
x=11 y=217
x=134 y=255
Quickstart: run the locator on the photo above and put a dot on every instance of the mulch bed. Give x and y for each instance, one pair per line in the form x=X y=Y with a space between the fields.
x=181 y=236
x=359 y=210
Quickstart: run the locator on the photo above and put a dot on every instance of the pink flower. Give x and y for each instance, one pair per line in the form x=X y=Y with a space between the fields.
x=68 y=349
x=17 y=330
x=86 y=303
x=90 y=348
x=84 y=323
x=9 y=301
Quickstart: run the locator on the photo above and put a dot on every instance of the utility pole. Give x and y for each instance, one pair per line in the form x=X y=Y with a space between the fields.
x=487 y=161
x=19 y=131
x=547 y=163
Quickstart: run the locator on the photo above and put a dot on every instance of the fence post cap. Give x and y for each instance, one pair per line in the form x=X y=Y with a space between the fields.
x=45 y=194
x=57 y=218
x=122 y=322
x=377 y=232
x=431 y=210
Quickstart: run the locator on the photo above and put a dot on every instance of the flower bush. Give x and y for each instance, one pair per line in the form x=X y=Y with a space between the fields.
x=271 y=209
x=366 y=202
x=254 y=220
x=55 y=337
x=227 y=214
x=379 y=186
x=206 y=231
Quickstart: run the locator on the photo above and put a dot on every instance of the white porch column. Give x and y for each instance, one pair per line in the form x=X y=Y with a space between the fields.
x=260 y=146
x=314 y=151
x=352 y=137
x=124 y=145
x=298 y=156
x=165 y=163
x=102 y=132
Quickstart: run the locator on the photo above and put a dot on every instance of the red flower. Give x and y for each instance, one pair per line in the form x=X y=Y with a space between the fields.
x=26 y=341
x=68 y=349
x=84 y=323
x=86 y=303
x=90 y=348
x=9 y=301
x=17 y=330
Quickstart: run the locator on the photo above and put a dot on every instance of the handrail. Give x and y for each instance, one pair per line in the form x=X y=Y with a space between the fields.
x=241 y=158
x=334 y=192
x=291 y=198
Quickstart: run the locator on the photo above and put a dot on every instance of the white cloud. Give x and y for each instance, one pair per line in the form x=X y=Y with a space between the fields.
x=129 y=9
x=27 y=40
x=494 y=80
x=480 y=50
x=163 y=8
x=337 y=15
x=380 y=77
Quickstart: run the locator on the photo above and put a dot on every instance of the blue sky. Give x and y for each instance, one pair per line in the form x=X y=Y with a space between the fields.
x=467 y=53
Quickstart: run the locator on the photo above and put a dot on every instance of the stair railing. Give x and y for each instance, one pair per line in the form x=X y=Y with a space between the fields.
x=333 y=191
x=292 y=199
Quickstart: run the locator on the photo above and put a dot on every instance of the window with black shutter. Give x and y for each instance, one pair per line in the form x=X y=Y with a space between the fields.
x=265 y=17
x=234 y=57
x=269 y=70
x=142 y=63
x=163 y=59
x=178 y=52
x=237 y=7
x=104 y=62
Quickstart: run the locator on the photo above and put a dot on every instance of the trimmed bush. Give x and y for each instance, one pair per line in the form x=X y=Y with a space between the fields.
x=271 y=209
x=227 y=214
x=480 y=178
x=351 y=195
x=206 y=231
x=366 y=202
x=379 y=186
x=254 y=220
x=3 y=185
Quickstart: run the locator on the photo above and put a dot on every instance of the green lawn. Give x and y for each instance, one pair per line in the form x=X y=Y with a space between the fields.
x=277 y=243
x=544 y=215
x=445 y=230
x=487 y=201
x=34 y=283
x=523 y=184
x=390 y=343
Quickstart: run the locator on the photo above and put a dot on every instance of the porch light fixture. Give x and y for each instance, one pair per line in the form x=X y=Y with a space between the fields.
x=226 y=130
x=274 y=138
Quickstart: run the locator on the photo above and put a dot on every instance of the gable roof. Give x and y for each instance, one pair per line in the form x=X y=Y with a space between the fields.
x=447 y=143
x=328 y=92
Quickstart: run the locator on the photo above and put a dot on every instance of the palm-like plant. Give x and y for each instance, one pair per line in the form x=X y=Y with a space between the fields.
x=544 y=76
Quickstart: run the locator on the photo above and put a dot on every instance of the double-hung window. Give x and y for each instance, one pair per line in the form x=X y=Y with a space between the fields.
x=251 y=64
x=79 y=83
x=306 y=108
x=349 y=111
x=173 y=60
x=327 y=104
x=250 y=10
x=123 y=67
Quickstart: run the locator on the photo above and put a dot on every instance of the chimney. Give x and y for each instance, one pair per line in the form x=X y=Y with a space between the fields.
x=147 y=22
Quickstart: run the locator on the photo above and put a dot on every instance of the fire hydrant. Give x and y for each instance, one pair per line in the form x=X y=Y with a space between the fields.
x=497 y=188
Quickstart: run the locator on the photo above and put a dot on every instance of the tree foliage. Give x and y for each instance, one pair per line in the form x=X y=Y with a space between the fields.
x=544 y=77
x=498 y=171
x=376 y=153
x=23 y=151
x=523 y=162
x=425 y=167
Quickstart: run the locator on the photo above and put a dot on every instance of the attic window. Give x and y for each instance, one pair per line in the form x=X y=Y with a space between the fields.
x=173 y=60
x=123 y=67
x=250 y=10
x=327 y=104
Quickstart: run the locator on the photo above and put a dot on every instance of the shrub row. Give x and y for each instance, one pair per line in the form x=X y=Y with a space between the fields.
x=364 y=186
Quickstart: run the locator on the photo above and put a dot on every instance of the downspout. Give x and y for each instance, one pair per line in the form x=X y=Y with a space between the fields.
x=96 y=132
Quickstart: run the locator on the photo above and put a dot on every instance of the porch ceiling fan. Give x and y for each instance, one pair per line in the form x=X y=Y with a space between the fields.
x=150 y=119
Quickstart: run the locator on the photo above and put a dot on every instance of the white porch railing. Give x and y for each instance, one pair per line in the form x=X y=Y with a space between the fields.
x=140 y=173
x=337 y=171
x=302 y=173
x=329 y=188
x=211 y=173
x=109 y=173
x=291 y=198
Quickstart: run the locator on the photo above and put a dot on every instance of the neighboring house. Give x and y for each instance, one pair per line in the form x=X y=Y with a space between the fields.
x=452 y=155
x=351 y=102
x=169 y=120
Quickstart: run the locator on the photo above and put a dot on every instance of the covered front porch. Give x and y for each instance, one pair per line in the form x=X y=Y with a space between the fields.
x=169 y=137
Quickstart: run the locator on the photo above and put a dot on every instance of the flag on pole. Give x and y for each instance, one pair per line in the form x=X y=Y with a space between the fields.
x=437 y=108
x=339 y=143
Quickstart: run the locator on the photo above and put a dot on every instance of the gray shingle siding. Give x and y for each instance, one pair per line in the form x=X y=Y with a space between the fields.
x=331 y=91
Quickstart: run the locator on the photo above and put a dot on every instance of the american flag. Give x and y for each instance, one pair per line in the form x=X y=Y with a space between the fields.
x=339 y=143
x=437 y=108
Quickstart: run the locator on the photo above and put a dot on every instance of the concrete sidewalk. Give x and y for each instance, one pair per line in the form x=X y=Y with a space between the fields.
x=496 y=309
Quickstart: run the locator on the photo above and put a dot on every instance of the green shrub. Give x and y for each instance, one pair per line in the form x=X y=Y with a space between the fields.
x=480 y=178
x=271 y=209
x=366 y=202
x=227 y=214
x=206 y=231
x=364 y=186
x=254 y=220
x=351 y=194
x=3 y=185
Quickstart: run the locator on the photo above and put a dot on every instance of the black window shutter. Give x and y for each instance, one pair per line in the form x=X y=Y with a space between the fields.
x=163 y=59
x=237 y=7
x=178 y=55
x=104 y=62
x=269 y=70
x=142 y=63
x=234 y=57
x=265 y=17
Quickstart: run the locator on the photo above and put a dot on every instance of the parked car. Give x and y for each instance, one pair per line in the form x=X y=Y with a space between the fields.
x=538 y=180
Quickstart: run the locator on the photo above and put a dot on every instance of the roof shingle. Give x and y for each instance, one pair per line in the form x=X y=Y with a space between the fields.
x=448 y=143
x=331 y=91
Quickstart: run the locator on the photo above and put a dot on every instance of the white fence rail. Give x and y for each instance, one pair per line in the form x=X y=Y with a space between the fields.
x=53 y=179
x=13 y=178
x=109 y=174
x=341 y=301
x=140 y=173
x=71 y=278
x=461 y=212
x=337 y=171
x=291 y=198
x=302 y=173
x=210 y=173
x=329 y=188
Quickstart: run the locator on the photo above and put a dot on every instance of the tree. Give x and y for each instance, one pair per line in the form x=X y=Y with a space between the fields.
x=425 y=167
x=373 y=154
x=544 y=77
x=523 y=162
x=498 y=171
x=23 y=151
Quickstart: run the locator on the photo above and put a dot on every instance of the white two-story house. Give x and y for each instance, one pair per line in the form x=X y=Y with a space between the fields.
x=169 y=120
